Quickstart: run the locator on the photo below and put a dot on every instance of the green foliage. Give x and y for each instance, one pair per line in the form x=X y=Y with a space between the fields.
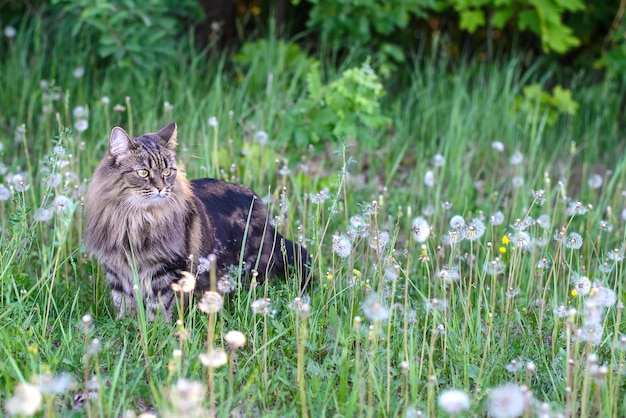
x=279 y=58
x=362 y=19
x=135 y=36
x=535 y=99
x=346 y=107
x=614 y=58
x=366 y=22
x=542 y=17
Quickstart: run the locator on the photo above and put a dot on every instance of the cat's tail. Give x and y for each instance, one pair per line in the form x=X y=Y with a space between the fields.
x=291 y=256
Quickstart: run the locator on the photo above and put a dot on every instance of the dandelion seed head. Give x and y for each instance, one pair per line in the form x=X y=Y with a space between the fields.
x=457 y=222
x=539 y=196
x=78 y=72
x=186 y=397
x=453 y=401
x=591 y=333
x=514 y=366
x=582 y=285
x=62 y=204
x=211 y=302
x=495 y=267
x=497 y=146
x=374 y=308
x=261 y=137
x=105 y=100
x=517 y=158
x=20 y=183
x=429 y=178
x=605 y=226
x=506 y=401
x=380 y=241
x=342 y=246
x=439 y=160
x=574 y=241
x=10 y=32
x=421 y=229
x=25 y=401
x=576 y=208
x=522 y=240
x=496 y=218
x=49 y=384
x=186 y=283
x=79 y=112
x=517 y=182
x=262 y=306
x=475 y=230
x=595 y=181
x=449 y=274
x=319 y=197
x=544 y=221
x=235 y=339
x=561 y=311
x=214 y=358
x=603 y=296
x=212 y=121
x=616 y=255
x=5 y=193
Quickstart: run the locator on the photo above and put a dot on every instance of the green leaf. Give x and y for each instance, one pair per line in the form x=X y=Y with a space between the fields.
x=472 y=20
x=501 y=17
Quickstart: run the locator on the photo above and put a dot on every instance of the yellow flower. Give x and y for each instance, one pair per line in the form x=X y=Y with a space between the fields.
x=502 y=250
x=505 y=240
x=329 y=276
x=574 y=293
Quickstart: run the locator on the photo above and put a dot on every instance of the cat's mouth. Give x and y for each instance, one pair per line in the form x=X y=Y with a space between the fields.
x=156 y=195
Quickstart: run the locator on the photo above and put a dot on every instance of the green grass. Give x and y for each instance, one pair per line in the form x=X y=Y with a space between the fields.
x=384 y=333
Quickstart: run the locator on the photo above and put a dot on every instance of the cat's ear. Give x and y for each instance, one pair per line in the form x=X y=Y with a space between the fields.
x=168 y=136
x=119 y=142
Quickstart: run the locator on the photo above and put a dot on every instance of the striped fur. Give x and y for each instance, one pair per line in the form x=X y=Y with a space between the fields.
x=144 y=219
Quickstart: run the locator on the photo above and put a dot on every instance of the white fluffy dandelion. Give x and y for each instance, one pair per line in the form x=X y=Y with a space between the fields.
x=421 y=229
x=375 y=308
x=506 y=401
x=342 y=246
x=453 y=401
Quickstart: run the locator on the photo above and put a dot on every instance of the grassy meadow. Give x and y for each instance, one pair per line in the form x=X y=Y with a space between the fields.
x=470 y=263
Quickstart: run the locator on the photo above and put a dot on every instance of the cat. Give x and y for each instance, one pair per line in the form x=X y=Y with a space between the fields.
x=145 y=220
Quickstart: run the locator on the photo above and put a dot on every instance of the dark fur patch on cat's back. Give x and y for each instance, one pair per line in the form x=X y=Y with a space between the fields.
x=233 y=211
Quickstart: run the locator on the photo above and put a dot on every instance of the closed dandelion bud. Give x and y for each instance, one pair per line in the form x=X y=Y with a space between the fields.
x=87 y=320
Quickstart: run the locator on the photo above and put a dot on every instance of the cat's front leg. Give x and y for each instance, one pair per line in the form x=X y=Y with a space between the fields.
x=161 y=296
x=123 y=299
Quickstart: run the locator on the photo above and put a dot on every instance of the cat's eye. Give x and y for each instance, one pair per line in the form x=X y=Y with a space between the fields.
x=166 y=171
x=143 y=173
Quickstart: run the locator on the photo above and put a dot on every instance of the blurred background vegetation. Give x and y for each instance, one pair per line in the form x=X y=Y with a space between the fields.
x=142 y=35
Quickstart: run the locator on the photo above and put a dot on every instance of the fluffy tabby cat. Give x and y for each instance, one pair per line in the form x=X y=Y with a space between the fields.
x=145 y=218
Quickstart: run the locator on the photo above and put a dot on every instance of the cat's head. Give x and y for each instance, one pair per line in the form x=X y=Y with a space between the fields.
x=146 y=165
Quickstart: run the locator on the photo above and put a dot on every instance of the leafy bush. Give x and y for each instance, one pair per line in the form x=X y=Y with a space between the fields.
x=346 y=107
x=366 y=22
x=537 y=100
x=135 y=36
x=280 y=58
x=544 y=18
